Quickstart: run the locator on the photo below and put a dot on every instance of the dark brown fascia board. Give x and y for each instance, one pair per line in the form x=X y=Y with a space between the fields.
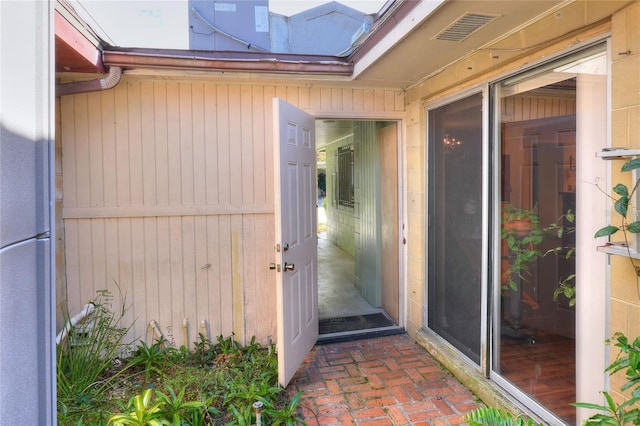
x=130 y=59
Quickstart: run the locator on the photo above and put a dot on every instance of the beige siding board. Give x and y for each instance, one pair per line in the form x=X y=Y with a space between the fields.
x=325 y=98
x=347 y=99
x=72 y=256
x=85 y=273
x=214 y=291
x=69 y=141
x=177 y=278
x=237 y=278
x=368 y=100
x=281 y=92
x=161 y=143
x=109 y=149
x=336 y=100
x=223 y=141
x=135 y=146
x=83 y=189
x=147 y=107
x=165 y=300
x=304 y=98
x=389 y=100
x=225 y=275
x=151 y=262
x=123 y=173
x=358 y=99
x=399 y=100
x=292 y=95
x=269 y=94
x=245 y=128
x=186 y=145
x=200 y=309
x=315 y=96
x=189 y=277
x=138 y=277
x=378 y=100
x=235 y=146
x=199 y=151
x=211 y=143
x=96 y=172
x=258 y=145
x=174 y=142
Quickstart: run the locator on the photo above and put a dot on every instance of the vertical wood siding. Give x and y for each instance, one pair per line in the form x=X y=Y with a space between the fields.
x=168 y=199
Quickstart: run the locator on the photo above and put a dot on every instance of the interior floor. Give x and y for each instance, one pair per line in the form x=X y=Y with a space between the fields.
x=337 y=293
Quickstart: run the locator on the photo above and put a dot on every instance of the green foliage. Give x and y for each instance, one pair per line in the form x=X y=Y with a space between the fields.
x=522 y=244
x=622 y=206
x=215 y=384
x=86 y=354
x=142 y=414
x=627 y=412
x=287 y=416
x=152 y=358
x=489 y=416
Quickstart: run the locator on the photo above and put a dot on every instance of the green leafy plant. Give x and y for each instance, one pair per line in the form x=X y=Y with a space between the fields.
x=522 y=232
x=626 y=412
x=152 y=358
x=565 y=225
x=287 y=416
x=142 y=414
x=87 y=353
x=489 y=416
x=622 y=205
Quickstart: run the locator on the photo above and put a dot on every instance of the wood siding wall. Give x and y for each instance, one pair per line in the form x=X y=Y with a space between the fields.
x=168 y=198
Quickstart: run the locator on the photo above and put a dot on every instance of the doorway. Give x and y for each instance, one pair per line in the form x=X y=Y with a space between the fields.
x=358 y=273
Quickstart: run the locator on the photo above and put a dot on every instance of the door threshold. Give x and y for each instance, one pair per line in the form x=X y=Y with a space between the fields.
x=346 y=336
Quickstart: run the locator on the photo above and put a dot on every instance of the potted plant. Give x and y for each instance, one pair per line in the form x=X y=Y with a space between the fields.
x=521 y=234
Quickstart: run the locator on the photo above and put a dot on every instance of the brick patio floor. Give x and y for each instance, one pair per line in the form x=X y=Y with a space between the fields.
x=377 y=382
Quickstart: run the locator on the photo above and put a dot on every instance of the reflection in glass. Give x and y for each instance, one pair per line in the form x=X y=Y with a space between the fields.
x=455 y=229
x=536 y=350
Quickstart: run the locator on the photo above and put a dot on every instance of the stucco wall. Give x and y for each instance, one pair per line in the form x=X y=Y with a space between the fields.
x=625 y=132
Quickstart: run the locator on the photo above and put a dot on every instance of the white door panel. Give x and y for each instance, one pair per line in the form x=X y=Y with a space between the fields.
x=296 y=238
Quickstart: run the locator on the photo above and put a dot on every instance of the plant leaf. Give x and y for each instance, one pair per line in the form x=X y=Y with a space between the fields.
x=622 y=205
x=634 y=227
x=631 y=165
x=606 y=231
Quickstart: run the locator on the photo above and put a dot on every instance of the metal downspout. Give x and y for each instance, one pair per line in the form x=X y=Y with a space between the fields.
x=108 y=82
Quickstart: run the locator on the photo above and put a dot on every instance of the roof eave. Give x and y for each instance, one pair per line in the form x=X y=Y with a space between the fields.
x=226 y=61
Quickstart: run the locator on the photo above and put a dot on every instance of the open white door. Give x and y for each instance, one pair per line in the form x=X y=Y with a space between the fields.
x=296 y=236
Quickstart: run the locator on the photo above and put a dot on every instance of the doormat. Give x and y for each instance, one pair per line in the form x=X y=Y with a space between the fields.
x=358 y=322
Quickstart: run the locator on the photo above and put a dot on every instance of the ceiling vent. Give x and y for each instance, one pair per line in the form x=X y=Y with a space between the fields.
x=464 y=26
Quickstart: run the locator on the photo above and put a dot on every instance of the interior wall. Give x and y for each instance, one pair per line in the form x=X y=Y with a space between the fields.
x=367 y=212
x=340 y=219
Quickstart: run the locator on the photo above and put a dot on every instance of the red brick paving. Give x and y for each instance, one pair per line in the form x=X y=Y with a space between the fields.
x=384 y=381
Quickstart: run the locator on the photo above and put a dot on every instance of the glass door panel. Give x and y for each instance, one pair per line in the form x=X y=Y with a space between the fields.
x=455 y=224
x=535 y=346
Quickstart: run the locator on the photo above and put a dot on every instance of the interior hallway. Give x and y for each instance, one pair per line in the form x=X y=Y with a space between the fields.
x=337 y=293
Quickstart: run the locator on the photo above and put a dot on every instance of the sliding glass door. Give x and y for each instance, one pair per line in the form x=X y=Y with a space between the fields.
x=510 y=245
x=455 y=225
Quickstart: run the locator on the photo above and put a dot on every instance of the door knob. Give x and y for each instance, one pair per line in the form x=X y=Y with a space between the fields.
x=289 y=266
x=274 y=266
x=285 y=246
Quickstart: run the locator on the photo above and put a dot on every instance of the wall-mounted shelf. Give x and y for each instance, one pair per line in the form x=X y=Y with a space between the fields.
x=619 y=249
x=617 y=153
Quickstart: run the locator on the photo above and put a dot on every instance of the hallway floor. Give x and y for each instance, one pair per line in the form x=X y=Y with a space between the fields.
x=376 y=382
x=337 y=293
